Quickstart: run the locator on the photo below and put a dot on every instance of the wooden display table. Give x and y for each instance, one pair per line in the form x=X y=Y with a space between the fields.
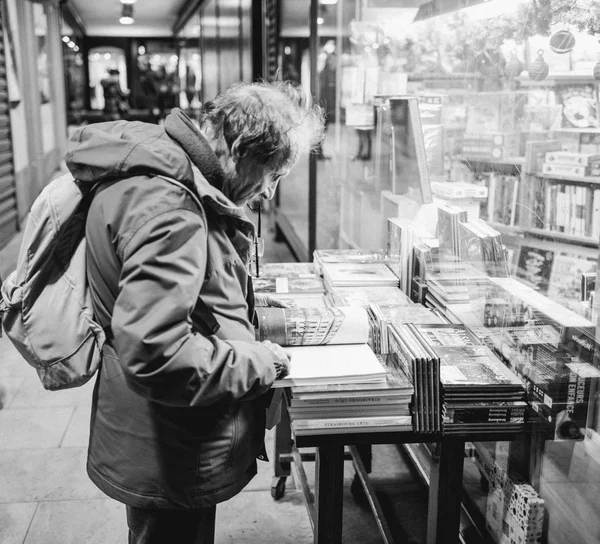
x=325 y=511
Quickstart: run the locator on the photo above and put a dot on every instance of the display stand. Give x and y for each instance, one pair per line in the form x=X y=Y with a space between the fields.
x=325 y=509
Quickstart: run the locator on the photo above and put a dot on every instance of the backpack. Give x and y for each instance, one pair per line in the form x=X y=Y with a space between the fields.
x=45 y=304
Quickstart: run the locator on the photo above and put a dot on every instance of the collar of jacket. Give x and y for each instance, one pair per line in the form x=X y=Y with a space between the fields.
x=208 y=173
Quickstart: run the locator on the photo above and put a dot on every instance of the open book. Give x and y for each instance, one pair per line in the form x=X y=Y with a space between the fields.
x=312 y=326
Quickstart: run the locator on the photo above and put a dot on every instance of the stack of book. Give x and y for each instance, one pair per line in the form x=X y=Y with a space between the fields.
x=481 y=246
x=461 y=387
x=363 y=407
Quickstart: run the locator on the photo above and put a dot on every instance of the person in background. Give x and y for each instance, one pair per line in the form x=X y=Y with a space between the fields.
x=115 y=99
x=178 y=409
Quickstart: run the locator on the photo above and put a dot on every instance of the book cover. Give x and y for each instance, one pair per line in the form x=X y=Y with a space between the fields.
x=312 y=326
x=284 y=285
x=565 y=279
x=534 y=267
x=579 y=105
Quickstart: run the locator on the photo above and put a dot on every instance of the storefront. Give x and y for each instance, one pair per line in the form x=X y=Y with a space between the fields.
x=508 y=109
x=34 y=106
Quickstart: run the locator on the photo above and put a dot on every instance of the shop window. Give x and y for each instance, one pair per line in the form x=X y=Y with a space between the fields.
x=105 y=63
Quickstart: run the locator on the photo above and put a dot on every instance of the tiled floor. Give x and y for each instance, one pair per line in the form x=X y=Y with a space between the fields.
x=47 y=498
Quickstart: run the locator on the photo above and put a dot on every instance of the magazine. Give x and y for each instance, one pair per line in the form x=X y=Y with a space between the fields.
x=312 y=326
x=333 y=364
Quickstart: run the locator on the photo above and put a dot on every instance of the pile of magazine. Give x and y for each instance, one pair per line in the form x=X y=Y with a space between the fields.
x=361 y=407
x=461 y=387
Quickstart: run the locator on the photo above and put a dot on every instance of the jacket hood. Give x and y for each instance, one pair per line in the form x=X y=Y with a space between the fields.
x=121 y=149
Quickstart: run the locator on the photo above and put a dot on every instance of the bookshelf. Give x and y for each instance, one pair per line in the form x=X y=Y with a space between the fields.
x=577 y=179
x=587 y=241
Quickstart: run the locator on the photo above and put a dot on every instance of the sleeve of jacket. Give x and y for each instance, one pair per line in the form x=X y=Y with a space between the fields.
x=163 y=269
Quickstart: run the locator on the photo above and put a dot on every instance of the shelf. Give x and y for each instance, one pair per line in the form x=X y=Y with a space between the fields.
x=580 y=179
x=508 y=161
x=562 y=237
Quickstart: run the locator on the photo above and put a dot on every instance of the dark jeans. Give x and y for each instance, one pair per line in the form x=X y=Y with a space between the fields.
x=161 y=526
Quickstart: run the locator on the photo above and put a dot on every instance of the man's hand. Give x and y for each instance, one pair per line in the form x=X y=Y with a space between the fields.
x=263 y=300
x=283 y=361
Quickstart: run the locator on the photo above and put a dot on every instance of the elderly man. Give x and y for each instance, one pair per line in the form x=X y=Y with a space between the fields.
x=178 y=409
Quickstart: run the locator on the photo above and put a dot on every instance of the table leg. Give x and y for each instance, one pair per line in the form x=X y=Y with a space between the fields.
x=283 y=446
x=329 y=487
x=443 y=515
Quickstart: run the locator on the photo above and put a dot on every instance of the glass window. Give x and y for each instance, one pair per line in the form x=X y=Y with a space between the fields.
x=477 y=129
x=292 y=194
x=41 y=36
x=210 y=50
x=190 y=72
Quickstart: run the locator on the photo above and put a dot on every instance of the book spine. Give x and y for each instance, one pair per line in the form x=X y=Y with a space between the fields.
x=351 y=422
x=596 y=214
x=484 y=415
x=349 y=401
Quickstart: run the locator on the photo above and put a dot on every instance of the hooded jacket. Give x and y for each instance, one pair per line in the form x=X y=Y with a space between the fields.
x=178 y=406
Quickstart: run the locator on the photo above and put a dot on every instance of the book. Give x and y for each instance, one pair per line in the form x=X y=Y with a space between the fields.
x=534 y=267
x=358 y=275
x=571 y=158
x=288 y=270
x=447 y=228
x=352 y=424
x=555 y=169
x=283 y=285
x=409 y=159
x=312 y=326
x=348 y=256
x=334 y=363
x=501 y=412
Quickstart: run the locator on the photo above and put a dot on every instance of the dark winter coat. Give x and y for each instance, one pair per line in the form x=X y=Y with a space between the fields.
x=178 y=409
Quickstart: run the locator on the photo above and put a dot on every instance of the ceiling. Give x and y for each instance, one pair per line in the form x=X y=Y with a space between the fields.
x=152 y=17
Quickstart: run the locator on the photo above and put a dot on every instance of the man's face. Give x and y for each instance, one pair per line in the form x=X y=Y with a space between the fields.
x=261 y=181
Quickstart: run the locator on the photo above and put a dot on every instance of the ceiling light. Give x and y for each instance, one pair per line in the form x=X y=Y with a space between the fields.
x=127 y=15
x=134 y=1
x=326 y=2
x=320 y=20
x=66 y=39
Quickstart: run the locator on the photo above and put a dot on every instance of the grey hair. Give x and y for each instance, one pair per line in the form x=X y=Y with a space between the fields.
x=272 y=122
